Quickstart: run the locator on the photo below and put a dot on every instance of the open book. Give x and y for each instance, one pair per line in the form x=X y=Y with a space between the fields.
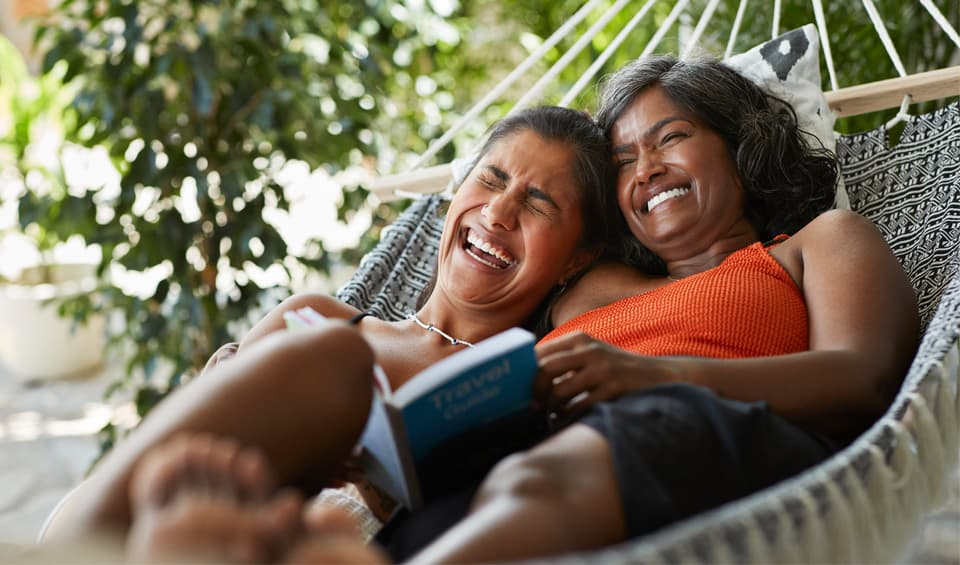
x=446 y=414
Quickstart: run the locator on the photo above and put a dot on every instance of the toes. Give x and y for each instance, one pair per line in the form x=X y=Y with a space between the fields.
x=254 y=474
x=281 y=520
x=201 y=466
x=156 y=476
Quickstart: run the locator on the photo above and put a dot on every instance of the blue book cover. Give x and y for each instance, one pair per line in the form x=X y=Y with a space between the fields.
x=459 y=394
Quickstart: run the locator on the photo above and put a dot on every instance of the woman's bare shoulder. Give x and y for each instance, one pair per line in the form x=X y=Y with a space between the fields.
x=832 y=225
x=826 y=233
x=603 y=284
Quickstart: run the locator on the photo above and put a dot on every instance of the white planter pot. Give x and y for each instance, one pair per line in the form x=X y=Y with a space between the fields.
x=35 y=343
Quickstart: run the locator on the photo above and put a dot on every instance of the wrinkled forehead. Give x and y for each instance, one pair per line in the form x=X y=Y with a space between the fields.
x=528 y=157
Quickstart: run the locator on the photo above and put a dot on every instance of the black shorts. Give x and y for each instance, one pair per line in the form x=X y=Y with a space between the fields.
x=679 y=450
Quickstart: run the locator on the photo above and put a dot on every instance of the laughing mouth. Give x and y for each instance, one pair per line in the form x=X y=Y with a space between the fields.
x=662 y=197
x=487 y=253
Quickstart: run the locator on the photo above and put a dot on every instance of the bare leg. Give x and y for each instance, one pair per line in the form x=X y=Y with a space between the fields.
x=206 y=499
x=300 y=398
x=559 y=497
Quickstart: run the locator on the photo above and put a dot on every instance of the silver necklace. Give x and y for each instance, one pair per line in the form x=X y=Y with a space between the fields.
x=441 y=333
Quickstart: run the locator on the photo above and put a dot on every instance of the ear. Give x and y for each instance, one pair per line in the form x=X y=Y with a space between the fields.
x=578 y=264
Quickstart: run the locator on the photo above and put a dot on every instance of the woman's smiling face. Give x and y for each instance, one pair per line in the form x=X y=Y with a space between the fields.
x=677 y=185
x=514 y=226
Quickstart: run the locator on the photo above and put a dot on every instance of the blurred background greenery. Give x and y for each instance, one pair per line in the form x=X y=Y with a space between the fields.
x=212 y=121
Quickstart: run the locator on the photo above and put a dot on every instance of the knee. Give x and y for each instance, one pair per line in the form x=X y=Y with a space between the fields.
x=526 y=475
x=315 y=300
x=328 y=368
x=333 y=360
x=338 y=347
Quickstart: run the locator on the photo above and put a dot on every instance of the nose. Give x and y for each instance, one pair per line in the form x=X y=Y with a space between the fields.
x=648 y=166
x=501 y=211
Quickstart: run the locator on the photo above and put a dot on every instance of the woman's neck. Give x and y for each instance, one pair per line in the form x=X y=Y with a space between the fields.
x=461 y=324
x=708 y=258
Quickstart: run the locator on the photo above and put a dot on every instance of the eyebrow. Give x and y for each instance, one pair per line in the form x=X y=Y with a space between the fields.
x=532 y=191
x=625 y=147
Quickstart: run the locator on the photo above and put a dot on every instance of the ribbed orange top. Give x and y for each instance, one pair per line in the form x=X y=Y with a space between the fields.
x=747 y=306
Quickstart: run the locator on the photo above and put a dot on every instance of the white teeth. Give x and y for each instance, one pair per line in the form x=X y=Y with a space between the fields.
x=666 y=195
x=482 y=260
x=487 y=247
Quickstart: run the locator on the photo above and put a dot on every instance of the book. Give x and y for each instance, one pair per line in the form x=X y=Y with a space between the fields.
x=464 y=411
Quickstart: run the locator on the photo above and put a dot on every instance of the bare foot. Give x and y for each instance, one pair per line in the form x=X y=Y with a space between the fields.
x=201 y=498
x=333 y=537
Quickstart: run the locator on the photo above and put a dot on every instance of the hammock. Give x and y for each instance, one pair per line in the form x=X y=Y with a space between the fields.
x=865 y=503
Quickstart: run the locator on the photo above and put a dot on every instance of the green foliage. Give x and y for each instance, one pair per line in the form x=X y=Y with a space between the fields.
x=200 y=104
x=32 y=108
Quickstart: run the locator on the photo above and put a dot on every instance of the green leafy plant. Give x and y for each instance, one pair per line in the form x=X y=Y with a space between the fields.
x=201 y=105
x=35 y=124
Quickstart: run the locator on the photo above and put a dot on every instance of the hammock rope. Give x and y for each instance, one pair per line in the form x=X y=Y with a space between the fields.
x=608 y=52
x=881 y=30
x=664 y=28
x=568 y=56
x=775 y=29
x=848 y=101
x=508 y=81
x=735 y=30
x=941 y=21
x=698 y=31
x=825 y=42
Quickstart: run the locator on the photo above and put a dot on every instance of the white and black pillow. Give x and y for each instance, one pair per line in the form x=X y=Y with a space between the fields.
x=788 y=66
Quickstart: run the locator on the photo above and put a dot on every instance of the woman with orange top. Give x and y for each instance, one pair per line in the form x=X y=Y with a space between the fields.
x=759 y=335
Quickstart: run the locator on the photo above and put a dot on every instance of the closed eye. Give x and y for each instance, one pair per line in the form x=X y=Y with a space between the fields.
x=672 y=136
x=491 y=181
x=539 y=201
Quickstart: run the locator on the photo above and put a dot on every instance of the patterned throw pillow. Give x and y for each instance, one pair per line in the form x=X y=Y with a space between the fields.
x=789 y=67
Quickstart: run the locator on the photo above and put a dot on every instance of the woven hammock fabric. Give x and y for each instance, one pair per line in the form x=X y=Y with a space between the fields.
x=910 y=193
x=392 y=277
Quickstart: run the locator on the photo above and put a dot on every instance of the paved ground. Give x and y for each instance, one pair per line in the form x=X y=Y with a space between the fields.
x=47 y=443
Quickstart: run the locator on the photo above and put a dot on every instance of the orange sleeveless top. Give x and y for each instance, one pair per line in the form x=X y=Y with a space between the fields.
x=747 y=306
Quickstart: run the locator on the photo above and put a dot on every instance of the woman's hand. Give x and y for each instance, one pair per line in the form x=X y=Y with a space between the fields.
x=577 y=371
